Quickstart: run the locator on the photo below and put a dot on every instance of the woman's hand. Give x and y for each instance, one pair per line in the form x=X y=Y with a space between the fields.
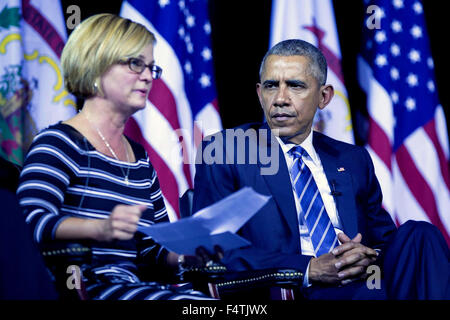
x=121 y=224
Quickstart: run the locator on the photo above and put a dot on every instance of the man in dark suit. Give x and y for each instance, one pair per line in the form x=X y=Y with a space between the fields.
x=325 y=216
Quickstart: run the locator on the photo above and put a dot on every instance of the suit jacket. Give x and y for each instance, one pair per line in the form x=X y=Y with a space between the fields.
x=274 y=230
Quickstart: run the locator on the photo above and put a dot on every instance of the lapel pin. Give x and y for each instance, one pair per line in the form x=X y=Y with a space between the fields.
x=341 y=169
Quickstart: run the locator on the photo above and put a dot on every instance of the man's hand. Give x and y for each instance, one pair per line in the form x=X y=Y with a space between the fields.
x=344 y=263
x=354 y=258
x=323 y=269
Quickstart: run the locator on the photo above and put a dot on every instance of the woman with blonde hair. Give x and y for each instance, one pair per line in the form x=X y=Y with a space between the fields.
x=83 y=179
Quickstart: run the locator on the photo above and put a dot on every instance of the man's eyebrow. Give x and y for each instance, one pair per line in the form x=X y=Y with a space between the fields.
x=271 y=82
x=295 y=83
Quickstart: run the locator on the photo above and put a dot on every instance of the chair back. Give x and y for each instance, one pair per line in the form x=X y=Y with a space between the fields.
x=186 y=203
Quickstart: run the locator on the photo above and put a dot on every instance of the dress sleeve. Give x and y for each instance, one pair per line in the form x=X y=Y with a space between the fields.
x=150 y=252
x=43 y=182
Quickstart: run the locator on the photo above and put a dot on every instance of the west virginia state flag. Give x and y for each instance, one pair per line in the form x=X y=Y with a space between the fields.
x=32 y=94
x=313 y=21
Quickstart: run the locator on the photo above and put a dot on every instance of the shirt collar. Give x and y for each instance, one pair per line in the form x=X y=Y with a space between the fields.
x=307 y=144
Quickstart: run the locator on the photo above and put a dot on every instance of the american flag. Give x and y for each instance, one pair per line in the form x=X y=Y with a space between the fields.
x=182 y=105
x=408 y=138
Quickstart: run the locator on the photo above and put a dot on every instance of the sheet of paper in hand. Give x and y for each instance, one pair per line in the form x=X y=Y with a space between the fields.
x=213 y=225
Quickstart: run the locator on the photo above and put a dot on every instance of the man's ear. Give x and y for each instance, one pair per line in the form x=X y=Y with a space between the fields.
x=326 y=94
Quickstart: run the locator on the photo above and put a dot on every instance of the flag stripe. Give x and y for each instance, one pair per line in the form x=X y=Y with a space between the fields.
x=215 y=104
x=379 y=104
x=161 y=97
x=419 y=187
x=198 y=136
x=410 y=208
x=384 y=176
x=208 y=119
x=170 y=187
x=379 y=143
x=164 y=140
x=427 y=163
x=42 y=26
x=442 y=132
x=430 y=129
x=333 y=61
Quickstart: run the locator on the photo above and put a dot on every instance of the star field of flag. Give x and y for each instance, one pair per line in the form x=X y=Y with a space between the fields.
x=398 y=53
x=188 y=33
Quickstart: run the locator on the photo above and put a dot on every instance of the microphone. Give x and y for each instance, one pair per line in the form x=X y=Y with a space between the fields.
x=88 y=171
x=334 y=192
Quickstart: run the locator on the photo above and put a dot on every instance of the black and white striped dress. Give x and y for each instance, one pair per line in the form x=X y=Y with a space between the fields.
x=64 y=176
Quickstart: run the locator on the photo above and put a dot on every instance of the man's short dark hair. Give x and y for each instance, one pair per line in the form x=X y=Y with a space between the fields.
x=297 y=47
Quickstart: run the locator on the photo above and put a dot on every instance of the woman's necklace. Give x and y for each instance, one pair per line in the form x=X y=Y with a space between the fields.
x=111 y=150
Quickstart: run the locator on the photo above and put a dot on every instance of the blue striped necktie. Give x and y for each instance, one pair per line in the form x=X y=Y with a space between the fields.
x=320 y=228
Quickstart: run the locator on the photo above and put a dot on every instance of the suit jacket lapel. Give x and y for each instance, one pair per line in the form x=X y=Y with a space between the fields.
x=280 y=186
x=339 y=179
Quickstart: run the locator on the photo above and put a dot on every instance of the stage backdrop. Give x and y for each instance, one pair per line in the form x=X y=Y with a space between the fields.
x=394 y=82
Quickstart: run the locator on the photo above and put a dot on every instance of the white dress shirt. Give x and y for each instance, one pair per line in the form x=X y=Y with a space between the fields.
x=312 y=161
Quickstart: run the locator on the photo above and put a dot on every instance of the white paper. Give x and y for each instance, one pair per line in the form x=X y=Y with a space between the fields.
x=232 y=212
x=213 y=225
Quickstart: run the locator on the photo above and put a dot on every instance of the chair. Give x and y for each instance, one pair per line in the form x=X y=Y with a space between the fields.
x=185 y=203
x=23 y=274
x=9 y=175
x=64 y=259
x=217 y=281
x=275 y=284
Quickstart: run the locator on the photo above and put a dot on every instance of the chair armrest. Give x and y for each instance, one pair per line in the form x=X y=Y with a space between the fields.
x=58 y=256
x=224 y=279
x=286 y=278
x=210 y=273
x=267 y=284
x=220 y=283
x=65 y=251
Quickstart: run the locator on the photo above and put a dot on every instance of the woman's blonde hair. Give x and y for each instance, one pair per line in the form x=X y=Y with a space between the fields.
x=95 y=45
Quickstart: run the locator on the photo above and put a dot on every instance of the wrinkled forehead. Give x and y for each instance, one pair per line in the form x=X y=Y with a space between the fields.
x=277 y=67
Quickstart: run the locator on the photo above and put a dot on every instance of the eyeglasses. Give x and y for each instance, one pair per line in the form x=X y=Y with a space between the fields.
x=138 y=65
